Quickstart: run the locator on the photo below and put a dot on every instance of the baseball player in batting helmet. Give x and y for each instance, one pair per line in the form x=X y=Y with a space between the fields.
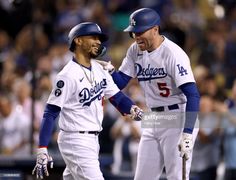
x=77 y=95
x=85 y=29
x=165 y=75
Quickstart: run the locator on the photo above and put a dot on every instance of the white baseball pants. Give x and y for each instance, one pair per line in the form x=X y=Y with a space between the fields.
x=80 y=153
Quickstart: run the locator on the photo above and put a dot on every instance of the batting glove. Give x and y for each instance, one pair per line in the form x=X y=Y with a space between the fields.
x=43 y=159
x=136 y=113
x=186 y=145
x=107 y=66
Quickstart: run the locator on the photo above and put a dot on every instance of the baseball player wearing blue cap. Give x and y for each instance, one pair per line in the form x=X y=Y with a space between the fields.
x=78 y=95
x=165 y=75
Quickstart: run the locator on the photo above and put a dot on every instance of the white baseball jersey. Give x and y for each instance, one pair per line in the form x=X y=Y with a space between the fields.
x=81 y=101
x=159 y=72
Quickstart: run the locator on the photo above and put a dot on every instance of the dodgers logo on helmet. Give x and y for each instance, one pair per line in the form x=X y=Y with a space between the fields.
x=132 y=22
x=142 y=20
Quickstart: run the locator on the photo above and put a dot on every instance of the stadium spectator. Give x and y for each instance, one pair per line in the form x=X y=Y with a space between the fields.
x=15 y=127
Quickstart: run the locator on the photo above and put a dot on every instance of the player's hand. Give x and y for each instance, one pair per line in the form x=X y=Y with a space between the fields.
x=185 y=145
x=43 y=159
x=136 y=113
x=107 y=66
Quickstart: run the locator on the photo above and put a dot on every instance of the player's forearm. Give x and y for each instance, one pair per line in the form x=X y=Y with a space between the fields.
x=50 y=114
x=120 y=79
x=192 y=107
x=121 y=102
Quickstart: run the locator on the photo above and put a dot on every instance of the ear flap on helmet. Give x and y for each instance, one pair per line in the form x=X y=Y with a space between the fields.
x=101 y=51
x=131 y=34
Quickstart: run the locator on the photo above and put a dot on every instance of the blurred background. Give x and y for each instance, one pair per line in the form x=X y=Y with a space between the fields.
x=33 y=49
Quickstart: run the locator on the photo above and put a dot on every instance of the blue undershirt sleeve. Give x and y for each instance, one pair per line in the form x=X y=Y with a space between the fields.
x=121 y=102
x=51 y=112
x=190 y=90
x=121 y=79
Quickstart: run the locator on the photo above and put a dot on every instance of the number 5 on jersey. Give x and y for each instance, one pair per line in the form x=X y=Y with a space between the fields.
x=164 y=90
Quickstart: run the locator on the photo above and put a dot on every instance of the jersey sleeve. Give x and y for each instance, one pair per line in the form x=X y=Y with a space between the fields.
x=111 y=88
x=128 y=63
x=62 y=90
x=180 y=69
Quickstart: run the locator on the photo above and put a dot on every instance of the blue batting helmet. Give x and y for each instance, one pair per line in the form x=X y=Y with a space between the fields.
x=142 y=20
x=85 y=29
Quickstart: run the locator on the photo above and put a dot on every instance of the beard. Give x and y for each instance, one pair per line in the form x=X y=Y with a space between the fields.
x=93 y=55
x=97 y=53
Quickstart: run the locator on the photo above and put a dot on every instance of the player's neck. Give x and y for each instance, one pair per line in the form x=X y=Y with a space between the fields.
x=85 y=61
x=158 y=41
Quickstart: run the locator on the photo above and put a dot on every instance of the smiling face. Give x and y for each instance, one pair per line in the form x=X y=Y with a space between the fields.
x=147 y=40
x=88 y=45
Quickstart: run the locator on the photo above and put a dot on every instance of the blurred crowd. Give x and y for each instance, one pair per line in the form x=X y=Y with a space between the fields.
x=33 y=48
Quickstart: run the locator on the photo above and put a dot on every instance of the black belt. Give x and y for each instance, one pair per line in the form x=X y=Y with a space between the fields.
x=162 y=108
x=89 y=132
x=83 y=132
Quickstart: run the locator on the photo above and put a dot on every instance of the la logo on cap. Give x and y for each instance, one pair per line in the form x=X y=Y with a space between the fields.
x=132 y=22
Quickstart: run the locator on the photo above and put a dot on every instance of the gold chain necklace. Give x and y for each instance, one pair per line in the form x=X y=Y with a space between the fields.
x=91 y=79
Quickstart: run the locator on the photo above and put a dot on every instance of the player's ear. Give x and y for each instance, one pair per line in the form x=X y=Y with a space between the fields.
x=78 y=41
x=156 y=30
